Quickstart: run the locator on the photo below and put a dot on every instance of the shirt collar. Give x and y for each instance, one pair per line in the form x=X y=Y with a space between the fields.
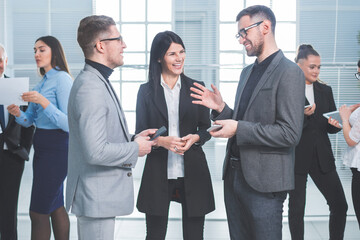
x=177 y=84
x=51 y=72
x=266 y=62
x=104 y=70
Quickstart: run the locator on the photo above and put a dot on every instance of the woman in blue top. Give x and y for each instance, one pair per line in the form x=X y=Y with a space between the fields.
x=48 y=111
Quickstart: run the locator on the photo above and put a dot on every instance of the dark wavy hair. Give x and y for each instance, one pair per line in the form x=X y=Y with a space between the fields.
x=359 y=63
x=303 y=51
x=159 y=46
x=58 y=58
x=259 y=10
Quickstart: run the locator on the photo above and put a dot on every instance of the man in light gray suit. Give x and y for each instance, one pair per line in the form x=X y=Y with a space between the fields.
x=101 y=151
x=263 y=130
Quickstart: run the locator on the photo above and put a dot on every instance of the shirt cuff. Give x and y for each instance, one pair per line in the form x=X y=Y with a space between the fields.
x=22 y=118
x=50 y=110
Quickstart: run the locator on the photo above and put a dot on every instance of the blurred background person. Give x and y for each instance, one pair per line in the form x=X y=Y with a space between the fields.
x=313 y=154
x=177 y=169
x=350 y=116
x=48 y=111
x=15 y=144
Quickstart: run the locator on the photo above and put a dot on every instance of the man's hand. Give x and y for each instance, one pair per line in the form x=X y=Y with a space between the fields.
x=145 y=145
x=14 y=110
x=146 y=133
x=228 y=129
x=207 y=98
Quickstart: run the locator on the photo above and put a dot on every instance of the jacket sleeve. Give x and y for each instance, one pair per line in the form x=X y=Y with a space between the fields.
x=332 y=107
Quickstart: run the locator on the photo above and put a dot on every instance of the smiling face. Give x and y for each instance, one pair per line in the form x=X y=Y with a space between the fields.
x=3 y=62
x=254 y=40
x=173 y=61
x=311 y=68
x=42 y=55
x=114 y=48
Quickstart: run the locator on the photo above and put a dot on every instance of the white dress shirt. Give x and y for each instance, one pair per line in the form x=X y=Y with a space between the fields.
x=172 y=98
x=309 y=93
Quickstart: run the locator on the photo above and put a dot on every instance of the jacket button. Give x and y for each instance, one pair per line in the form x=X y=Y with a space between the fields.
x=129 y=174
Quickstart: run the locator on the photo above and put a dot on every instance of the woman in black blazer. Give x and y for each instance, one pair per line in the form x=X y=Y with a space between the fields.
x=313 y=155
x=176 y=169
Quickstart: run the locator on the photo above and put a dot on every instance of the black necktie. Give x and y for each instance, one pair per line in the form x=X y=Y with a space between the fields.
x=2 y=117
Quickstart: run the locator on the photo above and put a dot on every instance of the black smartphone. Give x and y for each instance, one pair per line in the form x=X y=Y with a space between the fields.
x=160 y=131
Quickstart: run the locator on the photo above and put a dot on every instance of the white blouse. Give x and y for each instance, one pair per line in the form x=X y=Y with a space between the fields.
x=172 y=98
x=351 y=156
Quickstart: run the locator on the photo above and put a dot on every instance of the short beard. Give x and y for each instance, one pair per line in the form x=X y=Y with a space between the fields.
x=256 y=50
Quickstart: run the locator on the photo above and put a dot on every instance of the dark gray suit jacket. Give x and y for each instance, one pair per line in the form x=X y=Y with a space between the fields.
x=271 y=126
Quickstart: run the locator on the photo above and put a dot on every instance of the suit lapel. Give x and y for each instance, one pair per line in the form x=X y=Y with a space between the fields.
x=239 y=92
x=185 y=100
x=116 y=101
x=160 y=102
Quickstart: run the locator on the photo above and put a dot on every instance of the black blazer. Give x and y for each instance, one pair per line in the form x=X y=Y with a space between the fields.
x=17 y=138
x=315 y=133
x=151 y=112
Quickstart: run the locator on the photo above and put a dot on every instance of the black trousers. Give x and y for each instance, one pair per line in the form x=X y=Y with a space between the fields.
x=330 y=186
x=193 y=227
x=355 y=192
x=11 y=170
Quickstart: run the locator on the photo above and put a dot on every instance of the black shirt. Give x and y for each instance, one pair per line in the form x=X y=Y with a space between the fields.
x=104 y=70
x=254 y=78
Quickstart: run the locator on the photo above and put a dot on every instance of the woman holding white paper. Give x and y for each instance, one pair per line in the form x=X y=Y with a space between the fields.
x=48 y=111
x=313 y=155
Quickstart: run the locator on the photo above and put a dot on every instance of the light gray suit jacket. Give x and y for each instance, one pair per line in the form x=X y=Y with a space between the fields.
x=271 y=126
x=101 y=154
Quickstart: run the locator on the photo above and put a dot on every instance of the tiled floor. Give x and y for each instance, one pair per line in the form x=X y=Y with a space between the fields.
x=133 y=227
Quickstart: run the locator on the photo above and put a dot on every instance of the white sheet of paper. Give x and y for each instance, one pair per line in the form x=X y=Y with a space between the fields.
x=11 y=90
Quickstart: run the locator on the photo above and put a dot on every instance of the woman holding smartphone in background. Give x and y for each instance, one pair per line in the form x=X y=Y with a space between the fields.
x=176 y=170
x=313 y=154
x=48 y=111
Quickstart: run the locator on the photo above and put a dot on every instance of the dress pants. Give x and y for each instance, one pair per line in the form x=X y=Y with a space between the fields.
x=355 y=192
x=193 y=227
x=251 y=214
x=330 y=186
x=11 y=170
x=95 y=228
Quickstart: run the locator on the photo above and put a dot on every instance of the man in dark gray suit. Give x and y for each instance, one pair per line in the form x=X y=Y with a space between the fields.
x=15 y=144
x=102 y=153
x=263 y=130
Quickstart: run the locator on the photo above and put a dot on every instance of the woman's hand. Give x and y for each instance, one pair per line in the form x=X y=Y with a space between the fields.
x=354 y=107
x=14 y=110
x=35 y=97
x=171 y=143
x=310 y=110
x=189 y=140
x=345 y=113
x=334 y=122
